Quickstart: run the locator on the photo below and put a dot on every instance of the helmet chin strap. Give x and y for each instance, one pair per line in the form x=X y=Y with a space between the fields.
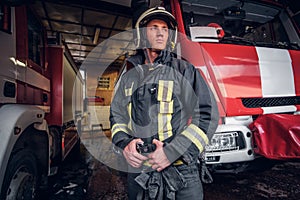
x=148 y=59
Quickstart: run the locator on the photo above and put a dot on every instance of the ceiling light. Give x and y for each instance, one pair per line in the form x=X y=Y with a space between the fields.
x=96 y=35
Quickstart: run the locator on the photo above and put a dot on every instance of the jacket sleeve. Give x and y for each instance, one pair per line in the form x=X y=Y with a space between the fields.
x=119 y=118
x=200 y=105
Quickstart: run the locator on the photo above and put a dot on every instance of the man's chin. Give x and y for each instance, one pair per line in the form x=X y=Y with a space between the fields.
x=158 y=48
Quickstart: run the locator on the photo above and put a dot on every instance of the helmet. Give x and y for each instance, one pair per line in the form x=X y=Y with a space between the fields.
x=219 y=29
x=155 y=13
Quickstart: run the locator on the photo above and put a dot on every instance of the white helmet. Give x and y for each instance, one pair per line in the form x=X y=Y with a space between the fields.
x=155 y=13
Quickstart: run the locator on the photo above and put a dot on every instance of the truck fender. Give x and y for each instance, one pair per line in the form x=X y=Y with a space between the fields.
x=14 y=119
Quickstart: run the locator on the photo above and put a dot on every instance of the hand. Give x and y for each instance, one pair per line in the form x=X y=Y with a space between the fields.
x=134 y=158
x=158 y=158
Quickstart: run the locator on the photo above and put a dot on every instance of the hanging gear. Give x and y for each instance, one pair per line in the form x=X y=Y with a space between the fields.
x=155 y=13
x=205 y=174
x=219 y=29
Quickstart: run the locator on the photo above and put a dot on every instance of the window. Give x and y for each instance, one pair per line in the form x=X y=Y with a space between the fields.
x=271 y=32
x=5 y=19
x=249 y=23
x=35 y=38
x=103 y=82
x=9 y=89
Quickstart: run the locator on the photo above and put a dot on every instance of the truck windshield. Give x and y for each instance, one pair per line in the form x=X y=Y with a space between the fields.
x=243 y=22
x=5 y=18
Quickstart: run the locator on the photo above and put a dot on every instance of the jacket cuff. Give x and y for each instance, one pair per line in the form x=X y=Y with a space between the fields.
x=121 y=139
x=124 y=143
x=176 y=148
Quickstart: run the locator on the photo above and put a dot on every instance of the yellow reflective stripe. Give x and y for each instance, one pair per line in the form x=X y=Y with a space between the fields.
x=129 y=107
x=165 y=90
x=164 y=96
x=196 y=135
x=119 y=127
x=170 y=107
x=128 y=91
x=164 y=126
x=200 y=132
x=193 y=139
x=147 y=164
x=178 y=162
x=169 y=125
x=162 y=107
x=160 y=91
x=166 y=107
x=170 y=90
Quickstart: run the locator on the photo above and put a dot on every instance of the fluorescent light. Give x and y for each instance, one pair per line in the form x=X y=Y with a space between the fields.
x=96 y=35
x=17 y=62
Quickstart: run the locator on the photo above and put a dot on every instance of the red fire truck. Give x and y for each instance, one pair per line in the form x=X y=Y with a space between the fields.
x=249 y=53
x=41 y=104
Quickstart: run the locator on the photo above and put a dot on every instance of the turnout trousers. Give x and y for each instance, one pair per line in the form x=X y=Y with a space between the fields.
x=192 y=191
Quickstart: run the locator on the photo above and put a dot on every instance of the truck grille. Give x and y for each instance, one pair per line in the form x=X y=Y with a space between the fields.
x=269 y=102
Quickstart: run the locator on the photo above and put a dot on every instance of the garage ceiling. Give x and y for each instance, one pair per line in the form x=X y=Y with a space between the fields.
x=77 y=23
x=84 y=25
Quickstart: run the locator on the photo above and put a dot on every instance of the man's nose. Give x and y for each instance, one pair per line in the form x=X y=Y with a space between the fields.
x=160 y=32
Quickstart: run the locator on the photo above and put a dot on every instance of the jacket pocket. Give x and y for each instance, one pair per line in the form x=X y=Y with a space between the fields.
x=166 y=107
x=165 y=90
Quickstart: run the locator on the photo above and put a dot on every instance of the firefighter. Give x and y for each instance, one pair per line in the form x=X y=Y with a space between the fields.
x=162 y=115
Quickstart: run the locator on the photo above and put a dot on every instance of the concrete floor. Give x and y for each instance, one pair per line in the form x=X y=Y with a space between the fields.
x=95 y=175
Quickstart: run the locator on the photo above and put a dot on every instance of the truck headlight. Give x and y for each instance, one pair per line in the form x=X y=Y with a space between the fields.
x=223 y=142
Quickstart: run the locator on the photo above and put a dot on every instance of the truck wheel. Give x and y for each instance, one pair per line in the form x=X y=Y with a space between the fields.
x=56 y=144
x=21 y=177
x=74 y=154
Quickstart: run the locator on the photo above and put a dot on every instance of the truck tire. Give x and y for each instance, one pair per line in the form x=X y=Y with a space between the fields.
x=56 y=145
x=21 y=177
x=74 y=154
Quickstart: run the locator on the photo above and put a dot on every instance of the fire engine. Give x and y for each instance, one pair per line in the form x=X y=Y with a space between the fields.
x=41 y=104
x=249 y=53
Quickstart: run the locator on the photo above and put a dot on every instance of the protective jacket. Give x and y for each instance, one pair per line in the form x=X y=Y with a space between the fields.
x=167 y=100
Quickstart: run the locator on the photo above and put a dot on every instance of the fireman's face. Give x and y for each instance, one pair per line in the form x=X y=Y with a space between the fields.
x=157 y=34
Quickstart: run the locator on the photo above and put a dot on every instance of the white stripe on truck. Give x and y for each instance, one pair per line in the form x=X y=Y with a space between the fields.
x=277 y=77
x=276 y=72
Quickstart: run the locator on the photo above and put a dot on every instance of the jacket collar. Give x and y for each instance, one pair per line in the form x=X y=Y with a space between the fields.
x=139 y=58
